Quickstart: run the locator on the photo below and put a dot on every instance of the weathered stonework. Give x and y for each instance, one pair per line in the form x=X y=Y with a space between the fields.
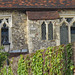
x=26 y=34
x=34 y=35
x=34 y=31
x=68 y=12
x=19 y=29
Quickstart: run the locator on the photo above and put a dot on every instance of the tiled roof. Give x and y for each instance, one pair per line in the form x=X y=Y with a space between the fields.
x=37 y=3
x=42 y=15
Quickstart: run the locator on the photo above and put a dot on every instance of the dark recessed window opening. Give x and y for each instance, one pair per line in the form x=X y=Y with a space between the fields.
x=1 y=20
x=72 y=30
x=43 y=28
x=4 y=35
x=68 y=19
x=50 y=31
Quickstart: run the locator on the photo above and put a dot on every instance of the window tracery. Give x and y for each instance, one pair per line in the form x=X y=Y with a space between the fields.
x=6 y=30
x=70 y=23
x=47 y=30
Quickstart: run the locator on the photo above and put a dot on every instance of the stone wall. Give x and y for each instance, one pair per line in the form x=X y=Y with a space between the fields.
x=29 y=31
x=34 y=36
x=34 y=31
x=67 y=12
x=19 y=29
x=26 y=34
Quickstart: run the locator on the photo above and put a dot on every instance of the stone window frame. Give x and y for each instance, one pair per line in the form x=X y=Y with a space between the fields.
x=47 y=23
x=4 y=17
x=69 y=24
x=43 y=30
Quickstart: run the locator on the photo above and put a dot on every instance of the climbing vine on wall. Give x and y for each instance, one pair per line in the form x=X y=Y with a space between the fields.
x=53 y=61
x=68 y=63
x=3 y=56
x=7 y=71
x=37 y=63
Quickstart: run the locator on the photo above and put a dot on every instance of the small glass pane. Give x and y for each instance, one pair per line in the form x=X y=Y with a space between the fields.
x=50 y=31
x=43 y=28
x=68 y=19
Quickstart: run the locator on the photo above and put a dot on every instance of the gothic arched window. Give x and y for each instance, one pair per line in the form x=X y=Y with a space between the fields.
x=50 y=31
x=43 y=30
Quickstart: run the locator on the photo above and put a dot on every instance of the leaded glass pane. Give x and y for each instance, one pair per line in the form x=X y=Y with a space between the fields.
x=50 y=31
x=43 y=28
x=73 y=33
x=4 y=35
x=63 y=34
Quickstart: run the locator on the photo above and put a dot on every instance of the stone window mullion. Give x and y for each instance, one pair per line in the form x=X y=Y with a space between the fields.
x=57 y=27
x=69 y=34
x=45 y=27
x=69 y=20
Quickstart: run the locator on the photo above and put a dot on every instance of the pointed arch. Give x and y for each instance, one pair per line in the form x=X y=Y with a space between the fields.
x=50 y=31
x=4 y=26
x=43 y=31
x=4 y=21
